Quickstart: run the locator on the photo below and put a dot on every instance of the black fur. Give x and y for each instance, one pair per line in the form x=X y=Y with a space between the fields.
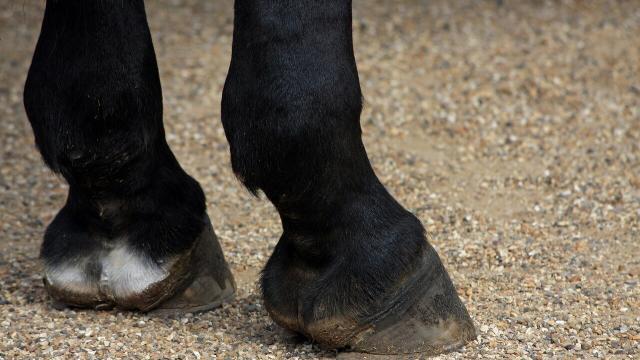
x=94 y=101
x=290 y=109
x=349 y=255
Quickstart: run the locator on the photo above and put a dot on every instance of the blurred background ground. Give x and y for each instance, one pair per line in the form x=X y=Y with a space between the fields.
x=513 y=132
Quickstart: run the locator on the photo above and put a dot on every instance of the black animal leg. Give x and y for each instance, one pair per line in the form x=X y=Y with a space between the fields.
x=353 y=269
x=134 y=232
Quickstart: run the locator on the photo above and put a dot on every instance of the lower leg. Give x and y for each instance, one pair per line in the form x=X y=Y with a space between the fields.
x=353 y=268
x=133 y=220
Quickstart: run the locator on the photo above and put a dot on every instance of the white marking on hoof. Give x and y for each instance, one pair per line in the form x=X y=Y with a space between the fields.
x=124 y=272
x=71 y=277
x=127 y=273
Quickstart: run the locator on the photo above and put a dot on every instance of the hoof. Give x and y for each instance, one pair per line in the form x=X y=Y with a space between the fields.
x=211 y=286
x=396 y=302
x=113 y=276
x=426 y=317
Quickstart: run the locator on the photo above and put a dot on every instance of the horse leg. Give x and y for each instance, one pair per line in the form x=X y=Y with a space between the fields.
x=134 y=232
x=353 y=269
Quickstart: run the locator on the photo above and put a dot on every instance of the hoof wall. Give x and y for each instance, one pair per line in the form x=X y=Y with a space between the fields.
x=198 y=280
x=411 y=336
x=422 y=316
x=211 y=286
x=436 y=323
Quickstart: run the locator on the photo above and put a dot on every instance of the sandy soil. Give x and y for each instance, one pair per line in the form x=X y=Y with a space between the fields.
x=513 y=132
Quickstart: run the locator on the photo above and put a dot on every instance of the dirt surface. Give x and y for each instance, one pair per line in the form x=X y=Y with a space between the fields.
x=513 y=132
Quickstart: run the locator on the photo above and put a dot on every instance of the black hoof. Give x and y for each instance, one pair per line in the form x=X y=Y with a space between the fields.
x=426 y=316
x=364 y=294
x=211 y=284
x=113 y=275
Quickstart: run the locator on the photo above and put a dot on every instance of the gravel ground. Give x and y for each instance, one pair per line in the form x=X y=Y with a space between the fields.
x=512 y=131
